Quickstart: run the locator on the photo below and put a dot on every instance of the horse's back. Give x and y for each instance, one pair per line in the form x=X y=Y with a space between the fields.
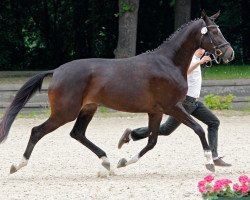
x=133 y=84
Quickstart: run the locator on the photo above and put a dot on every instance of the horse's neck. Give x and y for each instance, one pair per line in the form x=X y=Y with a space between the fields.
x=181 y=47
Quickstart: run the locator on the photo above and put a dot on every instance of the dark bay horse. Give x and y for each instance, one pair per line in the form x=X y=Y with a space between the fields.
x=153 y=82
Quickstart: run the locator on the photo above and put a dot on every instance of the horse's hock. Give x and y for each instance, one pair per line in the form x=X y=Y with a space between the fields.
x=239 y=87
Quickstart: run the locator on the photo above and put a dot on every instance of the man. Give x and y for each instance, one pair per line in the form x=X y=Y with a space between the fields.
x=193 y=106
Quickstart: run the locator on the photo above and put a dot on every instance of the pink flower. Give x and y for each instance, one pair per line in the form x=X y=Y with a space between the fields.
x=217 y=186
x=223 y=182
x=243 y=179
x=244 y=189
x=201 y=183
x=210 y=187
x=219 y=182
x=226 y=181
x=202 y=189
x=236 y=187
x=209 y=178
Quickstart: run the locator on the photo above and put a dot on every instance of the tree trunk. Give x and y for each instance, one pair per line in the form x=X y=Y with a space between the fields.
x=126 y=46
x=182 y=12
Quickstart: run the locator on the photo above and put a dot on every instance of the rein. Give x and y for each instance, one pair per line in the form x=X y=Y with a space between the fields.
x=210 y=63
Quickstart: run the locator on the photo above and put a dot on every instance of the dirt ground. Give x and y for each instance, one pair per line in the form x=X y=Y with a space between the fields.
x=61 y=168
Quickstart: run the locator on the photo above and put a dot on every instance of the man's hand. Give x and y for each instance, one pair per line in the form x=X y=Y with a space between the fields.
x=205 y=59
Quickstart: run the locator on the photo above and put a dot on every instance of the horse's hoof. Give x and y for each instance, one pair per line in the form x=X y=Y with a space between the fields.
x=13 y=169
x=210 y=167
x=106 y=165
x=122 y=163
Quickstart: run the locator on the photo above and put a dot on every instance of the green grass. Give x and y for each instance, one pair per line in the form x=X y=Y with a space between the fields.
x=222 y=72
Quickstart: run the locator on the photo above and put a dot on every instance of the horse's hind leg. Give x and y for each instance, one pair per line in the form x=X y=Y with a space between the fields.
x=79 y=129
x=36 y=134
x=154 y=124
x=182 y=116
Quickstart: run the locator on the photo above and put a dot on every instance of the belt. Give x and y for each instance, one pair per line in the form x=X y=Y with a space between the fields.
x=191 y=99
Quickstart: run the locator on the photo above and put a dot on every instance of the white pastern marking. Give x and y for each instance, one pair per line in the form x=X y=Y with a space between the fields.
x=104 y=159
x=133 y=160
x=208 y=156
x=23 y=163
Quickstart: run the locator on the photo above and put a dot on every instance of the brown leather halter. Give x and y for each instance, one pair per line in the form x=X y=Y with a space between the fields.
x=217 y=52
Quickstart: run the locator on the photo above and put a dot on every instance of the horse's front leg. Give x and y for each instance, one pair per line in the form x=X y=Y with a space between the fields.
x=153 y=124
x=182 y=116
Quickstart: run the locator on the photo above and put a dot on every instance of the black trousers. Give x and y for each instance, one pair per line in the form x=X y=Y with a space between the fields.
x=196 y=109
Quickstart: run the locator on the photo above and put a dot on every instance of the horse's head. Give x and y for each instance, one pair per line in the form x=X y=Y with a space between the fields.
x=213 y=41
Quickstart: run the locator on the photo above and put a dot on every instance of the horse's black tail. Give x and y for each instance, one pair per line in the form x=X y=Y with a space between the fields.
x=21 y=98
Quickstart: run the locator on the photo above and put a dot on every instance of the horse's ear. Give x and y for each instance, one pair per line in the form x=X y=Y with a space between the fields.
x=215 y=16
x=203 y=14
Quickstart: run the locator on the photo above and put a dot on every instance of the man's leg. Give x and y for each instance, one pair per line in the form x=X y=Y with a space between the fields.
x=203 y=114
x=165 y=129
x=140 y=133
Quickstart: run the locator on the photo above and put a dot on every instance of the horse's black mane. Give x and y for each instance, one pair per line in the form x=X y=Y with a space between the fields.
x=173 y=34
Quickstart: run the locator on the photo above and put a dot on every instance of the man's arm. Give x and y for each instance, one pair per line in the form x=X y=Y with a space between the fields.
x=193 y=66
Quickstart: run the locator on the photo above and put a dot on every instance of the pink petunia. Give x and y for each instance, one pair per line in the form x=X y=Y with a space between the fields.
x=236 y=187
x=226 y=181
x=201 y=183
x=243 y=179
x=209 y=178
x=219 y=182
x=218 y=186
x=244 y=189
x=202 y=189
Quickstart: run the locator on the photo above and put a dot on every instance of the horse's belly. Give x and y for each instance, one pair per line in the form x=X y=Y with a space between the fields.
x=139 y=104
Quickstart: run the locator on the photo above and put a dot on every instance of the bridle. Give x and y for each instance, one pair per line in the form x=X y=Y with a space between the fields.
x=217 y=51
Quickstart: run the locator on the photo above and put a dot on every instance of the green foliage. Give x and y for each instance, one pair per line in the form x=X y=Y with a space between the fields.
x=125 y=7
x=41 y=35
x=216 y=102
x=172 y=2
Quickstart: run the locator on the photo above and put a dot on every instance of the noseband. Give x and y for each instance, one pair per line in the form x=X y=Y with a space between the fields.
x=217 y=51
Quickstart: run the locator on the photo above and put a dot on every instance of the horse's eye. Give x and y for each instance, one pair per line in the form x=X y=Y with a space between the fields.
x=215 y=32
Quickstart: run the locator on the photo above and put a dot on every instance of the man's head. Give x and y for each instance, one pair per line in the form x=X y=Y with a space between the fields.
x=199 y=52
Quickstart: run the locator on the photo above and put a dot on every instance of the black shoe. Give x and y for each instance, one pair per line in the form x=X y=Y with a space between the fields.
x=125 y=138
x=219 y=162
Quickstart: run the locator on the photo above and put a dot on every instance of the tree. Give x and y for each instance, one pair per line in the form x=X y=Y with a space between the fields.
x=128 y=17
x=182 y=12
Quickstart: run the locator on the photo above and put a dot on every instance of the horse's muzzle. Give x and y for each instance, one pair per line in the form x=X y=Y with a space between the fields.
x=228 y=56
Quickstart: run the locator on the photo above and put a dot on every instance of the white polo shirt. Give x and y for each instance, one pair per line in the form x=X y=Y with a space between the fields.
x=194 y=80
